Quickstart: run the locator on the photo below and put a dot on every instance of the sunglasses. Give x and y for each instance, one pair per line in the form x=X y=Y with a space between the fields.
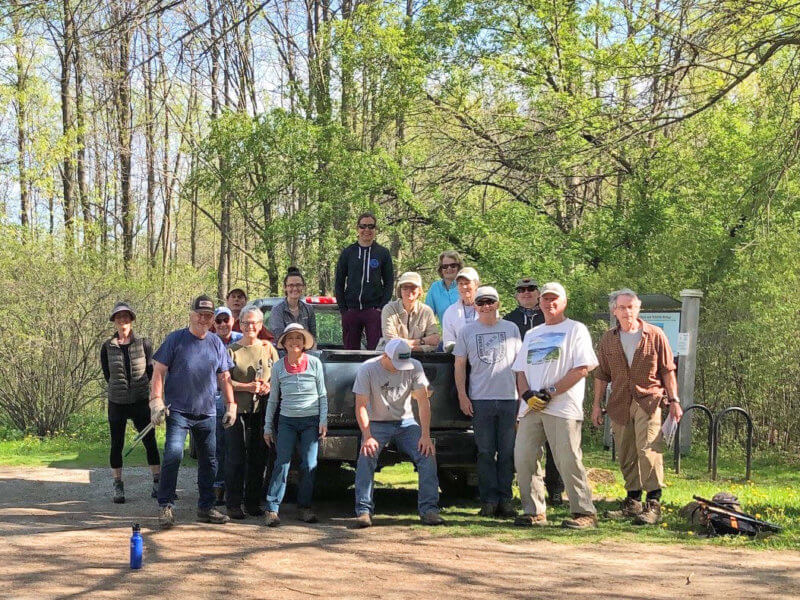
x=450 y=266
x=367 y=226
x=527 y=288
x=221 y=320
x=485 y=302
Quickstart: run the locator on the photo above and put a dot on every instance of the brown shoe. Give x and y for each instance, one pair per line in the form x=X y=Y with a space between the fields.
x=487 y=509
x=271 y=519
x=526 y=520
x=628 y=508
x=579 y=521
x=363 y=521
x=650 y=515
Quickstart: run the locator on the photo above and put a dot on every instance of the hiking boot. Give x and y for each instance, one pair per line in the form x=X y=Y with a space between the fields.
x=526 y=520
x=650 y=515
x=363 y=521
x=165 y=517
x=212 y=515
x=556 y=499
x=219 y=496
x=236 y=512
x=628 y=508
x=431 y=518
x=154 y=491
x=579 y=521
x=505 y=510
x=271 y=519
x=255 y=511
x=307 y=515
x=487 y=509
x=119 y=492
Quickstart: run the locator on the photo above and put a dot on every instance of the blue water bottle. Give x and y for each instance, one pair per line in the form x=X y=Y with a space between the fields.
x=137 y=545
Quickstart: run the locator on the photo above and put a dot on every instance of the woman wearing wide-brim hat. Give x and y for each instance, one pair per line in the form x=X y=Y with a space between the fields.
x=127 y=363
x=298 y=380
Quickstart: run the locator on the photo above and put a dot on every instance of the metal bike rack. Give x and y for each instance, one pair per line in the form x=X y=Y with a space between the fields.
x=677 y=441
x=749 y=447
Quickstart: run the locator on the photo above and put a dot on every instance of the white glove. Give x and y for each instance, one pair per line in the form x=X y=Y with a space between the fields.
x=230 y=415
x=158 y=412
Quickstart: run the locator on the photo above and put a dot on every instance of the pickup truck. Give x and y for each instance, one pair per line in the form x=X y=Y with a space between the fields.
x=451 y=430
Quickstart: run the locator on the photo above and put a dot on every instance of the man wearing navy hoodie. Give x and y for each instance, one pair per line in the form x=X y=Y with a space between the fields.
x=364 y=284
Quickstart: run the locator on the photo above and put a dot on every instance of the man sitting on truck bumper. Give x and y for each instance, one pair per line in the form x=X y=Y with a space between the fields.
x=383 y=388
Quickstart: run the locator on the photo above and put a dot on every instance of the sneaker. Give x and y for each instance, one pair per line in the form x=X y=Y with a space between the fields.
x=431 y=518
x=212 y=515
x=487 y=509
x=628 y=508
x=254 y=511
x=579 y=521
x=271 y=519
x=650 y=515
x=556 y=499
x=219 y=496
x=363 y=521
x=165 y=517
x=119 y=492
x=236 y=512
x=526 y=520
x=505 y=510
x=307 y=515
x=154 y=491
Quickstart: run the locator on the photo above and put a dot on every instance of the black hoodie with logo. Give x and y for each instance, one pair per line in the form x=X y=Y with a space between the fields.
x=364 y=277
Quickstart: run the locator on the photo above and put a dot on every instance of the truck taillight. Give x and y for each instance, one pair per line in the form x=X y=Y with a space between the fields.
x=320 y=299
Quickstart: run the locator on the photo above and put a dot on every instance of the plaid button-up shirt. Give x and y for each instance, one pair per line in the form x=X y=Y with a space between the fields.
x=643 y=380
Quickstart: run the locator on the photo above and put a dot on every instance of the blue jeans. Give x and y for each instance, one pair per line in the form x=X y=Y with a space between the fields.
x=493 y=422
x=406 y=435
x=290 y=430
x=219 y=480
x=203 y=431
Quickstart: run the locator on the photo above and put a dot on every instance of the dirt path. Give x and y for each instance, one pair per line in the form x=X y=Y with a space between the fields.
x=61 y=537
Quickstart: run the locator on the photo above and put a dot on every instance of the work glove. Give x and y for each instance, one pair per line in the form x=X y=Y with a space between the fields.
x=536 y=401
x=158 y=412
x=230 y=415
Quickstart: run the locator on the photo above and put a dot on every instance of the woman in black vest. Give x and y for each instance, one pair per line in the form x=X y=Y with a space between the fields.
x=127 y=363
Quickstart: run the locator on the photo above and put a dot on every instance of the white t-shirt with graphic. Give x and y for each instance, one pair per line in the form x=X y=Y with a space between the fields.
x=490 y=350
x=548 y=353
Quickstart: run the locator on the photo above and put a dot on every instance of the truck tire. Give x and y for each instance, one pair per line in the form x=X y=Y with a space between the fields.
x=455 y=483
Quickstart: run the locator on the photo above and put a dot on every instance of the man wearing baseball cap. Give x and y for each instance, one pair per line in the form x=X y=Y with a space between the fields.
x=463 y=311
x=526 y=316
x=408 y=318
x=490 y=346
x=188 y=368
x=551 y=371
x=235 y=301
x=384 y=388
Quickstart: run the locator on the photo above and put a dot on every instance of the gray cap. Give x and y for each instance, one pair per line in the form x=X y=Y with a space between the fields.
x=487 y=291
x=122 y=307
x=526 y=282
x=399 y=352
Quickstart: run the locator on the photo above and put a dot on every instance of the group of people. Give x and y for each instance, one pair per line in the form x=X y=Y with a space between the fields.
x=521 y=379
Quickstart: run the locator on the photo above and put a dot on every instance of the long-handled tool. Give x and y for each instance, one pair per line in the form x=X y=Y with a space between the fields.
x=140 y=436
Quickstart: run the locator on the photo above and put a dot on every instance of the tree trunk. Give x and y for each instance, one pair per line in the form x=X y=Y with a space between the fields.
x=22 y=117
x=66 y=56
x=80 y=139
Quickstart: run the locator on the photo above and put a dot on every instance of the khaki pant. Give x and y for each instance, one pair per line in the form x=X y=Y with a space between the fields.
x=639 y=446
x=564 y=437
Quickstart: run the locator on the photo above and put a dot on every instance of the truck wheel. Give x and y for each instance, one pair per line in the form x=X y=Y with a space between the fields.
x=455 y=483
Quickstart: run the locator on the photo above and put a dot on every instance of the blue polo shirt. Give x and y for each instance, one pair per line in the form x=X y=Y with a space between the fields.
x=193 y=365
x=439 y=297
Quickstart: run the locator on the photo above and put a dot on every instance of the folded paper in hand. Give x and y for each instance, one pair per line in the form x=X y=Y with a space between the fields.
x=669 y=428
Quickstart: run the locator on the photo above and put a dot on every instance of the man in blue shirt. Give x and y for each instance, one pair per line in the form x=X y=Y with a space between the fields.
x=188 y=368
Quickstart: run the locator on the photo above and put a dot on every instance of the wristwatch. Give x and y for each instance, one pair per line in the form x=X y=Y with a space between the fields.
x=677 y=400
x=552 y=389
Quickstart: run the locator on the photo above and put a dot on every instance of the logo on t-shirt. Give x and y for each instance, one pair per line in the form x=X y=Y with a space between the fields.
x=545 y=347
x=373 y=263
x=491 y=347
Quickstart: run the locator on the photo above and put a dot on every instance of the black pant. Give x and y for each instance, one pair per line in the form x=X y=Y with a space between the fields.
x=245 y=460
x=552 y=478
x=118 y=415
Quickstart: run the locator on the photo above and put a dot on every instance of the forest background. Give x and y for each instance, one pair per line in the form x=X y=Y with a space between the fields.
x=154 y=150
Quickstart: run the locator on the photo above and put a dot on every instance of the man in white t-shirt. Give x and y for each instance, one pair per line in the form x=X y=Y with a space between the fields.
x=551 y=370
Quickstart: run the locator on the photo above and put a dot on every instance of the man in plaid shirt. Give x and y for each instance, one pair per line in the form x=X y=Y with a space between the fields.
x=636 y=359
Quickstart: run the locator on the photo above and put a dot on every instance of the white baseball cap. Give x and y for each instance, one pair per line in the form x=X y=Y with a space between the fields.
x=468 y=273
x=399 y=352
x=553 y=287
